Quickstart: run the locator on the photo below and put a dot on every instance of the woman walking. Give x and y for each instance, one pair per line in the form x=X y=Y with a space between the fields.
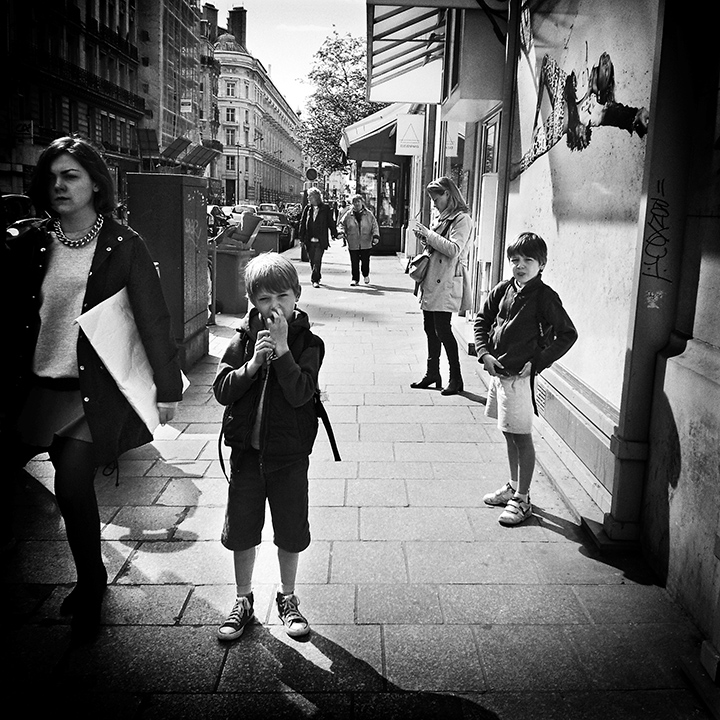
x=359 y=228
x=60 y=397
x=445 y=289
x=315 y=224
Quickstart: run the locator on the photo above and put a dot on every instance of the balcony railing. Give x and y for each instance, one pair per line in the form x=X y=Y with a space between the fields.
x=80 y=77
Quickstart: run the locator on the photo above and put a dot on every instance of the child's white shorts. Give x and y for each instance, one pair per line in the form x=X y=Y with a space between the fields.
x=509 y=401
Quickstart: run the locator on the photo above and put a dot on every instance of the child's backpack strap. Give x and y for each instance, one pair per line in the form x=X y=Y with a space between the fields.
x=319 y=407
x=322 y=414
x=543 y=342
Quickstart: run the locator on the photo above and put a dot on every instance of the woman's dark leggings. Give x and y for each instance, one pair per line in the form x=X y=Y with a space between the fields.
x=75 y=494
x=439 y=334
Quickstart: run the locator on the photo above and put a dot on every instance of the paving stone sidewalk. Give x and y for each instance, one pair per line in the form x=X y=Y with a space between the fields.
x=421 y=604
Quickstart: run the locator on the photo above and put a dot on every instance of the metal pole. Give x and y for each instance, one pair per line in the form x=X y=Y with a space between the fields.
x=237 y=173
x=505 y=141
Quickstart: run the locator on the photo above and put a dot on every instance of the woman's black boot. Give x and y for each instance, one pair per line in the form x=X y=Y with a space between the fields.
x=432 y=376
x=454 y=386
x=85 y=623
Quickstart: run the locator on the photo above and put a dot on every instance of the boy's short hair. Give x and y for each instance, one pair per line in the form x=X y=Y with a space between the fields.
x=270 y=272
x=529 y=245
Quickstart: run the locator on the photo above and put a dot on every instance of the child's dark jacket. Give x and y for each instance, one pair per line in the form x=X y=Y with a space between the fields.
x=509 y=326
x=289 y=423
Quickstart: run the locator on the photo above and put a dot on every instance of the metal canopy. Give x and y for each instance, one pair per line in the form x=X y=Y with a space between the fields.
x=200 y=156
x=405 y=53
x=148 y=142
x=175 y=148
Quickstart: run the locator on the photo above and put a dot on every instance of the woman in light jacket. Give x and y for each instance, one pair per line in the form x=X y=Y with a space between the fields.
x=446 y=287
x=360 y=229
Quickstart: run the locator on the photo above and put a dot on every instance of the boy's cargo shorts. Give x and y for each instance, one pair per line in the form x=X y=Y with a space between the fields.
x=286 y=491
x=509 y=401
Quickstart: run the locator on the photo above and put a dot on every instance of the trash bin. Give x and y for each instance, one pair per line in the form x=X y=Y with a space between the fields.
x=230 y=293
x=267 y=239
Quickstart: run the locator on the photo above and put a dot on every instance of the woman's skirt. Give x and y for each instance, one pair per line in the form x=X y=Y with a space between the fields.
x=48 y=413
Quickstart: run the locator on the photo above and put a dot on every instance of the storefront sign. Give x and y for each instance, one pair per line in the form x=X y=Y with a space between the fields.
x=409 y=135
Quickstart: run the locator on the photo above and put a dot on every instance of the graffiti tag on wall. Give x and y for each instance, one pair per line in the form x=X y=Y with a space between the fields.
x=657 y=237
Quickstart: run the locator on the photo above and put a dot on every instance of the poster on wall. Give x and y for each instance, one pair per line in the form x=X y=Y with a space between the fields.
x=573 y=102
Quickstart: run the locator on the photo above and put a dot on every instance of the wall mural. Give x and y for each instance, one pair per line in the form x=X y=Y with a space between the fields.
x=574 y=117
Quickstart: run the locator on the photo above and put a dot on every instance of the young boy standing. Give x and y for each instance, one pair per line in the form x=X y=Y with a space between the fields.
x=521 y=330
x=267 y=377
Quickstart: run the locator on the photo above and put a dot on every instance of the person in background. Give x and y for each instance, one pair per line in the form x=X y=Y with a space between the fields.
x=359 y=228
x=316 y=223
x=58 y=396
x=521 y=330
x=446 y=287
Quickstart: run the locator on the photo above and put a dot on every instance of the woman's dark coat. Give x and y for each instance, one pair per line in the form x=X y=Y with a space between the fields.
x=121 y=259
x=318 y=227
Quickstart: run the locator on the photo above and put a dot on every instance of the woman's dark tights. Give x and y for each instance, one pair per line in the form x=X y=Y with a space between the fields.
x=75 y=494
x=440 y=335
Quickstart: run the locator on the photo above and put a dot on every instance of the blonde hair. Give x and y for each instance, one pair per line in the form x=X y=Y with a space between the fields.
x=270 y=272
x=316 y=192
x=445 y=184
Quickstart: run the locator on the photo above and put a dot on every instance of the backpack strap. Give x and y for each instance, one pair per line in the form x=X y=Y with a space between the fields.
x=320 y=408
x=322 y=414
x=539 y=348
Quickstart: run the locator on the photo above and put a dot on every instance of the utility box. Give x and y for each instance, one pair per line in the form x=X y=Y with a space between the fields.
x=169 y=212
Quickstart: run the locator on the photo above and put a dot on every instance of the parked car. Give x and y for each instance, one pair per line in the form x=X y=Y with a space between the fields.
x=216 y=220
x=269 y=206
x=280 y=221
x=237 y=210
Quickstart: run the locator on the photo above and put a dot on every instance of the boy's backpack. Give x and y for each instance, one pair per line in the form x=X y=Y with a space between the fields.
x=319 y=411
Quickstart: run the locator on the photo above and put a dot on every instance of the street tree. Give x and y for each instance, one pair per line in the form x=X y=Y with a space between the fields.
x=339 y=74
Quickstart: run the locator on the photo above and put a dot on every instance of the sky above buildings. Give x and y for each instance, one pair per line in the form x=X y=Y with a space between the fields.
x=285 y=34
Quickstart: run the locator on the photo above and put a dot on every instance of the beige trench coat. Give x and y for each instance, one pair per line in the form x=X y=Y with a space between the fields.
x=446 y=287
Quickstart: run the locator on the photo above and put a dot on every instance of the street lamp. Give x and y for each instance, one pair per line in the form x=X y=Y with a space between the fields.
x=237 y=172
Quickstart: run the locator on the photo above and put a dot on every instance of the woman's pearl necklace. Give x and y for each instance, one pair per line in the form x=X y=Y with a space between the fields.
x=84 y=240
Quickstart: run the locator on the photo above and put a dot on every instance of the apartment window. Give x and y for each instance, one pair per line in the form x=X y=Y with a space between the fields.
x=230 y=115
x=247 y=89
x=230 y=137
x=230 y=162
x=247 y=164
x=230 y=88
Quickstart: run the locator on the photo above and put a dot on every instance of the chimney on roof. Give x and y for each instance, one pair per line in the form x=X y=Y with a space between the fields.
x=237 y=25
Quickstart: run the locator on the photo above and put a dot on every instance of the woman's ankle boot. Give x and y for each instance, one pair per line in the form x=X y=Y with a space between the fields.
x=432 y=376
x=454 y=386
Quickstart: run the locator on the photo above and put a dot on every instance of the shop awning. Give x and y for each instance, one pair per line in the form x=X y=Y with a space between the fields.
x=405 y=53
x=372 y=126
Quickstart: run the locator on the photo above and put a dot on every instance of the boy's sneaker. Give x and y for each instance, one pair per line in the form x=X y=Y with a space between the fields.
x=241 y=614
x=515 y=512
x=501 y=496
x=295 y=624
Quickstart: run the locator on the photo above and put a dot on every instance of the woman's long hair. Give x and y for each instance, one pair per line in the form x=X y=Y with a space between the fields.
x=445 y=184
x=85 y=154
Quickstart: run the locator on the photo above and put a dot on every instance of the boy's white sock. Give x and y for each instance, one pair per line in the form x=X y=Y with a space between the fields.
x=521 y=496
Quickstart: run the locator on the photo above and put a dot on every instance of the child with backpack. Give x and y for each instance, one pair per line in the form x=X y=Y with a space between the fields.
x=267 y=379
x=521 y=330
